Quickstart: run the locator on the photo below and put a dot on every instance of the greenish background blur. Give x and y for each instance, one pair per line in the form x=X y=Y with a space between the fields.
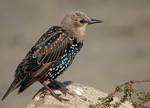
x=114 y=52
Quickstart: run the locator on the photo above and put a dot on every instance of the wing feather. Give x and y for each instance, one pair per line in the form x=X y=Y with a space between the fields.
x=45 y=52
x=48 y=49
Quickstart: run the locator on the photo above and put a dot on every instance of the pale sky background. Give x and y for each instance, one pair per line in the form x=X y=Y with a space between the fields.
x=114 y=52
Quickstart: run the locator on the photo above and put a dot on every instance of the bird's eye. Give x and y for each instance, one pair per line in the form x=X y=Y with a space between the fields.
x=82 y=21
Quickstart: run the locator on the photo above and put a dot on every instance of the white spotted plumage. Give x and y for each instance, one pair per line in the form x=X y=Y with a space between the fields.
x=65 y=60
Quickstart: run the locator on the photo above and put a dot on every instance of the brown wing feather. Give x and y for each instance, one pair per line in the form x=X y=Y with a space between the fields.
x=49 y=48
x=41 y=57
x=53 y=54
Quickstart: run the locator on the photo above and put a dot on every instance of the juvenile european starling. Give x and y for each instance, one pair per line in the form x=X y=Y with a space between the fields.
x=52 y=53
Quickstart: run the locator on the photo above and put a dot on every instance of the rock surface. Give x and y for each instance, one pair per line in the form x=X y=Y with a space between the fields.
x=82 y=98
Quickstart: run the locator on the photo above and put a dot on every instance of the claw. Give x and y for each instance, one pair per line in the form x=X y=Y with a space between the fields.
x=57 y=96
x=55 y=85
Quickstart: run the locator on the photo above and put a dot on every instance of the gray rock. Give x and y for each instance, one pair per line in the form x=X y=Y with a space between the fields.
x=82 y=98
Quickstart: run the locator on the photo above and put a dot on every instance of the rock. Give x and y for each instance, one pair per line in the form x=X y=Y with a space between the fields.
x=82 y=98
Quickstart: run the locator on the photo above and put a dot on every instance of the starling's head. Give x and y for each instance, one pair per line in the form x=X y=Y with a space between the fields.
x=77 y=22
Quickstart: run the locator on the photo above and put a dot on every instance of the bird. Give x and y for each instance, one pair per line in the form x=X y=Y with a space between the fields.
x=53 y=53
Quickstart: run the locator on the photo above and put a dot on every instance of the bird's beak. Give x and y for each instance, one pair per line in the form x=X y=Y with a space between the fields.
x=93 y=21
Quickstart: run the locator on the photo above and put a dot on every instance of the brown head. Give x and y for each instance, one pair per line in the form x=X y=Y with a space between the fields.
x=76 y=23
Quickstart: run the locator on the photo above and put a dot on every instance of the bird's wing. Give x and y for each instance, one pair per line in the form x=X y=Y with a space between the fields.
x=49 y=48
x=46 y=51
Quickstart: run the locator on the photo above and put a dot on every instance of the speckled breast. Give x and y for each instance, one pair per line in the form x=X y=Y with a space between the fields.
x=58 y=67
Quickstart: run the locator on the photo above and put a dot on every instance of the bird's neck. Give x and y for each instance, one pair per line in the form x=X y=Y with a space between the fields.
x=78 y=33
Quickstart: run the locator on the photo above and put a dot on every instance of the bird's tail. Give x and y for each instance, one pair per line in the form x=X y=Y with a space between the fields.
x=12 y=87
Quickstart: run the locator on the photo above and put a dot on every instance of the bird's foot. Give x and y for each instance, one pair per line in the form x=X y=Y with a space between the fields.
x=57 y=96
x=61 y=86
x=42 y=92
x=51 y=87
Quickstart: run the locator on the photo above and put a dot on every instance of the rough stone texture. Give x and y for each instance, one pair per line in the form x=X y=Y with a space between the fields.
x=85 y=96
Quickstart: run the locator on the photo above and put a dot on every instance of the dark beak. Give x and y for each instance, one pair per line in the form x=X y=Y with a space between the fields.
x=93 y=21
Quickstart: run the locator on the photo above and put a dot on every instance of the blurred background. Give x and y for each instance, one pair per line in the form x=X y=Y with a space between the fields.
x=114 y=52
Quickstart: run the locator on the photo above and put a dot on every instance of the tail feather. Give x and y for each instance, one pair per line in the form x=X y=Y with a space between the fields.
x=12 y=87
x=26 y=84
x=24 y=87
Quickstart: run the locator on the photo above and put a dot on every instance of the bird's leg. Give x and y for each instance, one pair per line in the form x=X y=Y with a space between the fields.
x=42 y=92
x=53 y=93
x=61 y=86
x=56 y=85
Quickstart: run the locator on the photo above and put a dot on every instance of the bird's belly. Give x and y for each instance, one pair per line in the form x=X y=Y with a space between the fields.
x=58 y=67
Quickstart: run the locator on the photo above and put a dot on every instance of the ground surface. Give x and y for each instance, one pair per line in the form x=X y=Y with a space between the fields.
x=85 y=96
